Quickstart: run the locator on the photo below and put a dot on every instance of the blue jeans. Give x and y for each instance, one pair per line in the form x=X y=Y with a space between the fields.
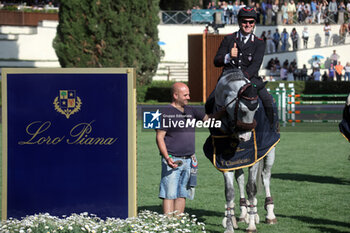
x=284 y=46
x=174 y=182
x=347 y=76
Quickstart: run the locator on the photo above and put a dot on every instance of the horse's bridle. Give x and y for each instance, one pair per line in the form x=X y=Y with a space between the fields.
x=240 y=125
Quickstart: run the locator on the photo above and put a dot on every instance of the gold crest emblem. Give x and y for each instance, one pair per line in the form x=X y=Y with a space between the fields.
x=67 y=103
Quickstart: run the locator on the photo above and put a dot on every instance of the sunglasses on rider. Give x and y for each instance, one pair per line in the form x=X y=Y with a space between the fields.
x=248 y=21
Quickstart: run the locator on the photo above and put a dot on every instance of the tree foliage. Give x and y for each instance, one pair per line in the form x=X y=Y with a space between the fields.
x=109 y=33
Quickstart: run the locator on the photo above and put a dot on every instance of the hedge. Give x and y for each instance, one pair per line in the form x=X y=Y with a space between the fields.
x=159 y=91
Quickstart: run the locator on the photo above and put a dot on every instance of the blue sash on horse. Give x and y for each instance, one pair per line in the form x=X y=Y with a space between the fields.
x=344 y=125
x=227 y=153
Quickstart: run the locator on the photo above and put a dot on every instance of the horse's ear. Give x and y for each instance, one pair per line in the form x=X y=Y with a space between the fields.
x=260 y=85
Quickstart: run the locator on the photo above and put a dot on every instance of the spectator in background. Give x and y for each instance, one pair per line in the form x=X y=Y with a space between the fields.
x=300 y=11
x=277 y=64
x=230 y=10
x=342 y=33
x=226 y=13
x=316 y=75
x=284 y=10
x=323 y=8
x=275 y=9
x=291 y=11
x=339 y=71
x=235 y=10
x=334 y=58
x=294 y=37
x=303 y=73
x=212 y=5
x=270 y=64
x=49 y=6
x=341 y=8
x=315 y=64
x=347 y=72
x=258 y=12
x=331 y=72
x=263 y=36
x=313 y=6
x=263 y=11
x=209 y=6
x=270 y=46
x=276 y=39
x=290 y=73
x=305 y=36
x=325 y=77
x=284 y=39
x=294 y=64
x=308 y=13
x=332 y=10
x=327 y=32
x=242 y=5
x=219 y=5
x=320 y=12
x=283 y=72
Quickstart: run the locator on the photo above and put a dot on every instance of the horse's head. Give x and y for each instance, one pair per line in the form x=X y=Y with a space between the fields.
x=240 y=98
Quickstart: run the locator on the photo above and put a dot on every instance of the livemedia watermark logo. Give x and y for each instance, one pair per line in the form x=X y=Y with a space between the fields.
x=158 y=119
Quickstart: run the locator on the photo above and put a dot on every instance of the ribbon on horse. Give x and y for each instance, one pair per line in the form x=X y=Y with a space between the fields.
x=227 y=153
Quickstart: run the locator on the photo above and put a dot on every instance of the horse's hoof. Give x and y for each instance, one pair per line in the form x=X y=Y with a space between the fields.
x=250 y=231
x=234 y=222
x=241 y=220
x=271 y=221
x=229 y=231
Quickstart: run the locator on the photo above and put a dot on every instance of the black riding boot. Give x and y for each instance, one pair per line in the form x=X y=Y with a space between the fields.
x=265 y=99
x=267 y=102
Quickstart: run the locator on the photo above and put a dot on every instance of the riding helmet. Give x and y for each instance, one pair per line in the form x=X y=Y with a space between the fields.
x=247 y=12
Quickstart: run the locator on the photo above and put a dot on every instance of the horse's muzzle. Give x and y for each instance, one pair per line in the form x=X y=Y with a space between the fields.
x=241 y=126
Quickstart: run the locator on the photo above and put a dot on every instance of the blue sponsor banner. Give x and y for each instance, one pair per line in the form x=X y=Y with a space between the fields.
x=69 y=142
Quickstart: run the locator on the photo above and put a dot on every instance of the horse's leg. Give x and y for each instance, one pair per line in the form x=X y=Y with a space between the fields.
x=252 y=216
x=229 y=222
x=266 y=177
x=239 y=175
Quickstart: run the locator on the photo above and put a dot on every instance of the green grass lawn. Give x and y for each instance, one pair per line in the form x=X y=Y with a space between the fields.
x=310 y=182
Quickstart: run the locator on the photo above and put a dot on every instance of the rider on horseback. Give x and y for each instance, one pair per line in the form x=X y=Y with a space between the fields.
x=245 y=51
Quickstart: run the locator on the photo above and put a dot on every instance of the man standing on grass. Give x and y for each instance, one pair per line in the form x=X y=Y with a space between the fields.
x=176 y=145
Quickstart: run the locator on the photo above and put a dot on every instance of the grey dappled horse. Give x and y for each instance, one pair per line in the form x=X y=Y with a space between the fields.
x=239 y=97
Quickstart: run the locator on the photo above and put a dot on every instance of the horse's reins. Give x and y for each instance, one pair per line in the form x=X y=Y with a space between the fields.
x=239 y=124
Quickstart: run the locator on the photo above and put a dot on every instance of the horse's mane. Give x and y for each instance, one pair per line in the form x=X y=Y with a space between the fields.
x=233 y=75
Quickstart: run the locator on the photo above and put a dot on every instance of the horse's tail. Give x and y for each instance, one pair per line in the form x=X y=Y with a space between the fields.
x=259 y=182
